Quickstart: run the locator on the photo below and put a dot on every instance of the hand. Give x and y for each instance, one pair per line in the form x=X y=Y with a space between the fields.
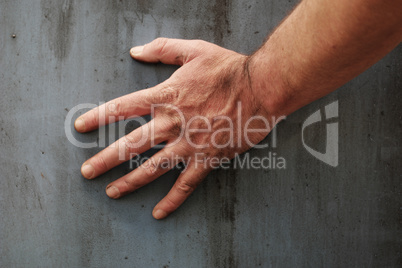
x=206 y=103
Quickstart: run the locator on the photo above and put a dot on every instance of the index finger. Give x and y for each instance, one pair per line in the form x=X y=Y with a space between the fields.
x=135 y=104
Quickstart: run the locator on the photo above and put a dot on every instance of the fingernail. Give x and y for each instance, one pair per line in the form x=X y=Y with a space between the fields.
x=87 y=171
x=159 y=214
x=79 y=124
x=136 y=51
x=112 y=191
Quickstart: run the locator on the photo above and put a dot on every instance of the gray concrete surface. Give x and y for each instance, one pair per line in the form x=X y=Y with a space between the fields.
x=308 y=215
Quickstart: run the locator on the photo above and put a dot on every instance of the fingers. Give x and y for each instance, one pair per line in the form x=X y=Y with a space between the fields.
x=132 y=105
x=137 y=142
x=168 y=51
x=156 y=166
x=183 y=187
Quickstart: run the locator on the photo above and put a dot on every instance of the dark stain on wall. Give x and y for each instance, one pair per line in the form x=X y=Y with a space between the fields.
x=221 y=28
x=59 y=21
x=220 y=196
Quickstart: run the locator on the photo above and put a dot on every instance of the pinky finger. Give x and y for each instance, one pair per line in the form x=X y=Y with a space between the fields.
x=181 y=190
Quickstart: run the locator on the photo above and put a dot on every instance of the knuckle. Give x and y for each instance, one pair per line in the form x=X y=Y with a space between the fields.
x=161 y=40
x=171 y=121
x=184 y=187
x=171 y=203
x=114 y=108
x=161 y=43
x=100 y=163
x=129 y=145
x=150 y=167
x=168 y=94
x=176 y=126
x=199 y=45
x=131 y=183
x=199 y=42
x=93 y=117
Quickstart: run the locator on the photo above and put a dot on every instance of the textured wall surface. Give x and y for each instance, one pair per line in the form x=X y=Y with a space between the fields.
x=310 y=214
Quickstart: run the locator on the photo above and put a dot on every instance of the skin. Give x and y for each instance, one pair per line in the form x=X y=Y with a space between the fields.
x=320 y=46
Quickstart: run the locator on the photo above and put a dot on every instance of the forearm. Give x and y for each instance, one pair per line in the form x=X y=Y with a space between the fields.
x=319 y=47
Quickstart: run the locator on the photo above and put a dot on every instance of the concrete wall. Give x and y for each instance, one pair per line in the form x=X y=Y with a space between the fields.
x=310 y=214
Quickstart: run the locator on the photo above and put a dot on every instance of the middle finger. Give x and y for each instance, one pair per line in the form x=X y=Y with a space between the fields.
x=136 y=142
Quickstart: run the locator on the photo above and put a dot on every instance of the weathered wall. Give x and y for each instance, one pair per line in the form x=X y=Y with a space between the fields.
x=310 y=214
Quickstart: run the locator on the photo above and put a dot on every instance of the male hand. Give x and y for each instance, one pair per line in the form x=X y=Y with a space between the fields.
x=318 y=48
x=206 y=111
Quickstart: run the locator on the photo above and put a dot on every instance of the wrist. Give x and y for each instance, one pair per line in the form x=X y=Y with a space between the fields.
x=268 y=84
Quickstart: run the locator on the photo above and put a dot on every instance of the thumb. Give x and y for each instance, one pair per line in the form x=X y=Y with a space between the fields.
x=167 y=50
